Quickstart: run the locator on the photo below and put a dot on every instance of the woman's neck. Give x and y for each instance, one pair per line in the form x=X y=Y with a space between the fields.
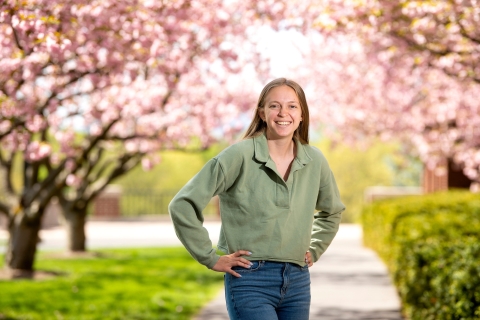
x=282 y=148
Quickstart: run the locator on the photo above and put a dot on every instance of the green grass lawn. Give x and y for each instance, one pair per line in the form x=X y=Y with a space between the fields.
x=153 y=283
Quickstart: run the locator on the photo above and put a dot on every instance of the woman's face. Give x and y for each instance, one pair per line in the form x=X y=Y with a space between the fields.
x=281 y=112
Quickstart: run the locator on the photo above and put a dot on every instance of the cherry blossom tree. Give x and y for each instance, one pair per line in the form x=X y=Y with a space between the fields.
x=366 y=96
x=90 y=89
x=442 y=34
x=405 y=69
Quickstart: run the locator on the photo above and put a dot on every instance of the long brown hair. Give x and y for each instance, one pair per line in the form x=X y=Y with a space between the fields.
x=257 y=126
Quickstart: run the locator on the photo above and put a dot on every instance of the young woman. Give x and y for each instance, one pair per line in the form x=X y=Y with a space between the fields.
x=270 y=184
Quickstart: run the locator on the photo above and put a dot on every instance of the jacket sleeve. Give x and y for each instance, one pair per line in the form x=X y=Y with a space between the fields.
x=327 y=219
x=186 y=208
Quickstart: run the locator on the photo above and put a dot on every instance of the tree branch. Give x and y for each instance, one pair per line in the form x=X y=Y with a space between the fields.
x=4 y=209
x=93 y=161
x=15 y=124
x=101 y=170
x=86 y=179
x=49 y=192
x=46 y=184
x=8 y=164
x=463 y=31
x=15 y=35
x=127 y=163
x=93 y=142
x=465 y=34
x=71 y=81
x=170 y=92
x=49 y=182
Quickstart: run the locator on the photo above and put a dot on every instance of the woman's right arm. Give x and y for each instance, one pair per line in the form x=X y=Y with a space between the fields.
x=186 y=208
x=186 y=212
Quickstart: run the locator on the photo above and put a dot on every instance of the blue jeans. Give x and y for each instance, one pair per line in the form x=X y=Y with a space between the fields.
x=268 y=291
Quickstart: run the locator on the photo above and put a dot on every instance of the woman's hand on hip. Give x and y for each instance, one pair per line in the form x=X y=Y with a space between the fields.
x=308 y=259
x=226 y=262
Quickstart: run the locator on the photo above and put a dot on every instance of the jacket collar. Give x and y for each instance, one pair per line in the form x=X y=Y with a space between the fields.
x=262 y=154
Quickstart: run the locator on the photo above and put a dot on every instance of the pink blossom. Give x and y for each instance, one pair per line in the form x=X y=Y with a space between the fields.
x=36 y=124
x=73 y=180
x=37 y=151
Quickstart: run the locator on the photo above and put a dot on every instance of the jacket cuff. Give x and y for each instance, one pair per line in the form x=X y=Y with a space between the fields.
x=212 y=262
x=313 y=252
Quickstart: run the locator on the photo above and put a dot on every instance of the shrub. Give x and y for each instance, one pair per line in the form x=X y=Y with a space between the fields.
x=431 y=247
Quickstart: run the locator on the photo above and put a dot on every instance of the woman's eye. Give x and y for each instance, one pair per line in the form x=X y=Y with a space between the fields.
x=274 y=106
x=293 y=106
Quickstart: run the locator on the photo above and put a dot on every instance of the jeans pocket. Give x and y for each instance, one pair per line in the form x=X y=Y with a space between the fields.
x=256 y=265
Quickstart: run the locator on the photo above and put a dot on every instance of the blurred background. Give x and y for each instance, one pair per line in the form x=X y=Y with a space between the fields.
x=107 y=108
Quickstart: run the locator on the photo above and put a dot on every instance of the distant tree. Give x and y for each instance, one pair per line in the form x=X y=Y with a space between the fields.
x=357 y=168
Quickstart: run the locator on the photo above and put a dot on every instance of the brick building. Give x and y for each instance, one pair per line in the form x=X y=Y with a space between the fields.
x=446 y=175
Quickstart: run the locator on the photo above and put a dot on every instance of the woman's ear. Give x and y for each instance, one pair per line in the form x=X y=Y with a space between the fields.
x=261 y=114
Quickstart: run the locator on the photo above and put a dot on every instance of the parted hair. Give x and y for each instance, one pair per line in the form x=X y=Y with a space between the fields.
x=258 y=126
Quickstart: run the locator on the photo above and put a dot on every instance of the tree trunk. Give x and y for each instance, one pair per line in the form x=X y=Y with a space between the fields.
x=22 y=245
x=75 y=220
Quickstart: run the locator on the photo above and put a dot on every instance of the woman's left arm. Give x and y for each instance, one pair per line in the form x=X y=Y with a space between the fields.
x=327 y=219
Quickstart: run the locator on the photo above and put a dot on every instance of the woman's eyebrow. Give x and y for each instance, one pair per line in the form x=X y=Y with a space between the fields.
x=293 y=101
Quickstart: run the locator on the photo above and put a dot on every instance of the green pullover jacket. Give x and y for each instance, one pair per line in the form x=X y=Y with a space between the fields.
x=273 y=219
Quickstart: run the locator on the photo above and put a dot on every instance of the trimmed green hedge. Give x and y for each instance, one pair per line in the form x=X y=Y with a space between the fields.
x=431 y=245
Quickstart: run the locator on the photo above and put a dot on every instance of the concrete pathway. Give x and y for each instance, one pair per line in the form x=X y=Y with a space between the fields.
x=348 y=282
x=117 y=234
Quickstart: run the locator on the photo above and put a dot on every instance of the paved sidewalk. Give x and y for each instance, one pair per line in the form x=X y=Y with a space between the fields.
x=349 y=282
x=117 y=234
